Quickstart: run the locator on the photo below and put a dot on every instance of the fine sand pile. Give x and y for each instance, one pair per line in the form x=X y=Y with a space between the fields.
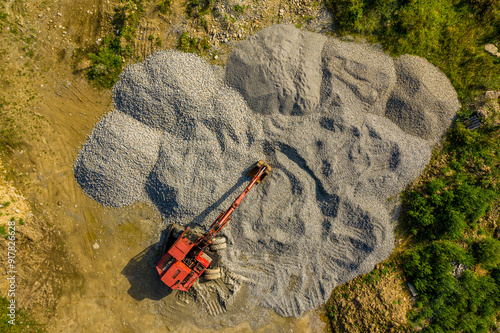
x=344 y=126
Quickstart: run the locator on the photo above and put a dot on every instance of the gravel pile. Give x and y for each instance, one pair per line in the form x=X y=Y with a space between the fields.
x=344 y=126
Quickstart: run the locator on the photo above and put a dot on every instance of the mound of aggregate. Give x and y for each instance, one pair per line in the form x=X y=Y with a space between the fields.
x=344 y=127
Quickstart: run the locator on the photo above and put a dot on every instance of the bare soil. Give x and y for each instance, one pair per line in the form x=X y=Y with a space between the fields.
x=83 y=267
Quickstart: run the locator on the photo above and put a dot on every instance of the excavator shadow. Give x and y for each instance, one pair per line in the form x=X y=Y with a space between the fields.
x=141 y=273
x=163 y=198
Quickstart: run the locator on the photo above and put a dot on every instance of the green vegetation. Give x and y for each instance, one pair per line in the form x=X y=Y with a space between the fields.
x=191 y=44
x=3 y=18
x=466 y=303
x=107 y=62
x=23 y=322
x=444 y=214
x=8 y=130
x=198 y=8
x=164 y=6
x=375 y=275
x=3 y=231
x=462 y=191
x=238 y=10
x=487 y=252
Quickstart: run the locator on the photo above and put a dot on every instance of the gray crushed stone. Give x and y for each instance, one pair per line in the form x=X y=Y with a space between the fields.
x=288 y=86
x=344 y=126
x=423 y=102
x=117 y=159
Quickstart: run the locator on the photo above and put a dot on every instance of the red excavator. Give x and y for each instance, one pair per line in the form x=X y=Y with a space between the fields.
x=188 y=257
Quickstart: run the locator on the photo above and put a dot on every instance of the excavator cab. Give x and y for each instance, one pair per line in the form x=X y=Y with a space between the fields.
x=252 y=173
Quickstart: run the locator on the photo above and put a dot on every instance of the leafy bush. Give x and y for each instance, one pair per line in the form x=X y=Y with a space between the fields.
x=164 y=6
x=450 y=304
x=430 y=267
x=106 y=66
x=197 y=8
x=487 y=251
x=463 y=191
x=443 y=210
x=495 y=274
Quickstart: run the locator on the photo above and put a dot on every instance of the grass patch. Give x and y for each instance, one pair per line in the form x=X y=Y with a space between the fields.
x=3 y=18
x=9 y=139
x=448 y=303
x=23 y=322
x=187 y=43
x=461 y=192
x=3 y=231
x=198 y=8
x=238 y=9
x=164 y=6
x=107 y=62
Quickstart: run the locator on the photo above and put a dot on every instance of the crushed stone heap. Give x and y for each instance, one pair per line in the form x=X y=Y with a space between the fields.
x=344 y=126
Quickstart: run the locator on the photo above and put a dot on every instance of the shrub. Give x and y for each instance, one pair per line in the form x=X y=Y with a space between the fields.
x=164 y=6
x=106 y=66
x=188 y=43
x=448 y=303
x=487 y=252
x=439 y=210
x=430 y=267
x=107 y=62
x=197 y=8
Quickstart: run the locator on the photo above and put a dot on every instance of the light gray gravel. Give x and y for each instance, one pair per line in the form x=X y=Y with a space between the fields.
x=344 y=126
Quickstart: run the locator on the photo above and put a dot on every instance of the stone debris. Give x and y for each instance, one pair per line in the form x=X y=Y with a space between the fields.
x=344 y=126
x=492 y=49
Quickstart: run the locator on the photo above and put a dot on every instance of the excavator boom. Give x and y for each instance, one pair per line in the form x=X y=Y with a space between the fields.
x=188 y=258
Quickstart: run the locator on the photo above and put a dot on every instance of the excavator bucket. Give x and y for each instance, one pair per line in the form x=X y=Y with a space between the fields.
x=256 y=169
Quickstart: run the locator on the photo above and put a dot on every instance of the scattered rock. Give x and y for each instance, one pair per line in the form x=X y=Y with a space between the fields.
x=412 y=290
x=458 y=269
x=488 y=105
x=492 y=49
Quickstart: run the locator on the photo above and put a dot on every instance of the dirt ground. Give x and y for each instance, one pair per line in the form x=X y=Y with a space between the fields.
x=82 y=267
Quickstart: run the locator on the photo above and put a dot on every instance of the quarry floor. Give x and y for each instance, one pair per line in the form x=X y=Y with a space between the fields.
x=79 y=263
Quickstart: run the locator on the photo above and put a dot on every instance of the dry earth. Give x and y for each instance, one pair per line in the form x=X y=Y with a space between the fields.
x=78 y=262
